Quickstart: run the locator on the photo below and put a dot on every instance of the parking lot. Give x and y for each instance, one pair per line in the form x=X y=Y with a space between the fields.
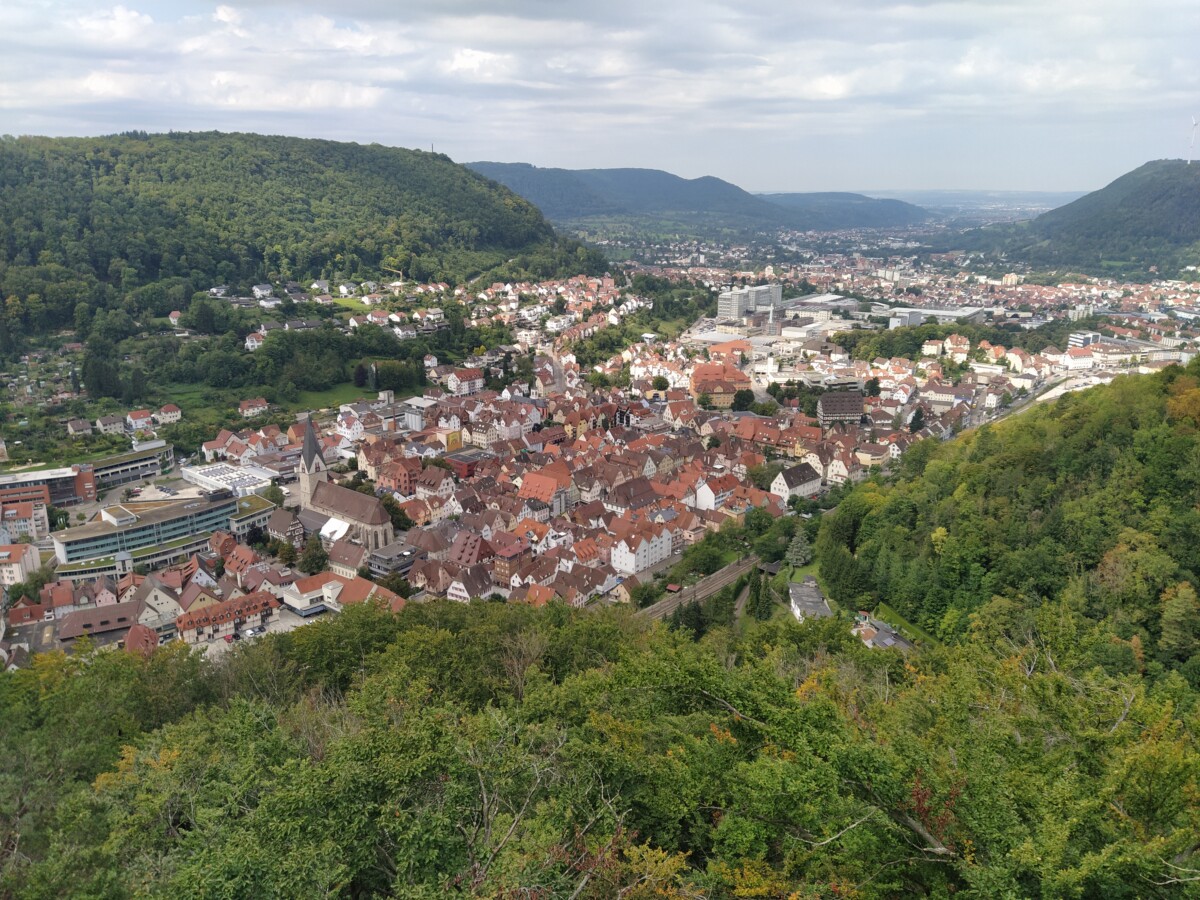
x=282 y=621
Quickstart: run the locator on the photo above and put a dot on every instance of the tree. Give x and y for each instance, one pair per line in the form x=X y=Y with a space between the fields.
x=400 y=519
x=760 y=603
x=917 y=422
x=274 y=493
x=799 y=552
x=1180 y=612
x=704 y=401
x=287 y=553
x=314 y=558
x=757 y=521
x=872 y=387
x=660 y=383
x=742 y=400
x=714 y=441
x=360 y=375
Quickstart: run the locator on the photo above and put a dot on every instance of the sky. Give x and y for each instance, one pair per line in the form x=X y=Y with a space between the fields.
x=806 y=95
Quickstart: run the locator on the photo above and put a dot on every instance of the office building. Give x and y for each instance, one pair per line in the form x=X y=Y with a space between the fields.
x=153 y=534
x=736 y=303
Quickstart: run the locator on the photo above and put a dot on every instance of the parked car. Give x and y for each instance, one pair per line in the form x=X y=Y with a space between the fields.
x=256 y=631
x=230 y=638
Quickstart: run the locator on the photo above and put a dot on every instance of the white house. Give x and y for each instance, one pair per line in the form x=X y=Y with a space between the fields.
x=801 y=480
x=18 y=562
x=713 y=493
x=642 y=550
x=139 y=420
x=169 y=414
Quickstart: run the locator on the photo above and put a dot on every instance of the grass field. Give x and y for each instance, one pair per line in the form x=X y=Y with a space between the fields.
x=333 y=397
x=352 y=305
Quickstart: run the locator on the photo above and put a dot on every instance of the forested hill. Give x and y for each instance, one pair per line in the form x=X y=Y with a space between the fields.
x=651 y=197
x=91 y=218
x=1148 y=218
x=571 y=195
x=836 y=210
x=1088 y=503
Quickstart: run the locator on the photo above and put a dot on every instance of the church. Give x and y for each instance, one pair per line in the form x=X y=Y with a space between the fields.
x=367 y=520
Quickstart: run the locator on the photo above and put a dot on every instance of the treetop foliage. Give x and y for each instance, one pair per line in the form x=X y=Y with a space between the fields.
x=498 y=750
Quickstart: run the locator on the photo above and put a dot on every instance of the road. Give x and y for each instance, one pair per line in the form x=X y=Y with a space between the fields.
x=701 y=590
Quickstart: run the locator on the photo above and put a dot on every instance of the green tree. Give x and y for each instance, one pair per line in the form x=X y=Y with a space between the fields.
x=314 y=558
x=917 y=422
x=660 y=383
x=799 y=552
x=742 y=400
x=1180 y=621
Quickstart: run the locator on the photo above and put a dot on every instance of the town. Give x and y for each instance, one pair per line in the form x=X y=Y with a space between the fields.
x=607 y=480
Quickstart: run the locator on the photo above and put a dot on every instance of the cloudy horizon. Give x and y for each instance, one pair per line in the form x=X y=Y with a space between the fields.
x=870 y=95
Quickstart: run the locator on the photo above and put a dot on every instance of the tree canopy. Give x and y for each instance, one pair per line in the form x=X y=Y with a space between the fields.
x=499 y=750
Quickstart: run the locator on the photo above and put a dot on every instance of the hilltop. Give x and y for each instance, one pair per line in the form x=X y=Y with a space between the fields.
x=652 y=198
x=94 y=218
x=1147 y=218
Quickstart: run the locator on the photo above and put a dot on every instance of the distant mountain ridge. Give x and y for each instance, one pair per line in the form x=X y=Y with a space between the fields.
x=1148 y=219
x=851 y=210
x=577 y=196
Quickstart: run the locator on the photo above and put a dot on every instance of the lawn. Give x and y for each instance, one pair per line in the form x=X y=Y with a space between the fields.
x=353 y=305
x=335 y=396
x=199 y=402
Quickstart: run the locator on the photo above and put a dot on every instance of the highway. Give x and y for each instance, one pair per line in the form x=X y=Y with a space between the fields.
x=701 y=590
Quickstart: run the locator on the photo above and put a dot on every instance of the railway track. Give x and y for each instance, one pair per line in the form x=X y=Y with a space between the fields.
x=701 y=590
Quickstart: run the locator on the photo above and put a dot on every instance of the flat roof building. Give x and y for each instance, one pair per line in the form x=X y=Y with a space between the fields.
x=240 y=480
x=153 y=533
x=738 y=302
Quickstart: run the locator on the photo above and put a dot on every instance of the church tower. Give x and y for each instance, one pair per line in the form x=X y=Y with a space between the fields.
x=312 y=465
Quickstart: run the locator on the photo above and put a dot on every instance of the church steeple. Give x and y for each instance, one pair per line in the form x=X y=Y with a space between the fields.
x=312 y=447
x=312 y=465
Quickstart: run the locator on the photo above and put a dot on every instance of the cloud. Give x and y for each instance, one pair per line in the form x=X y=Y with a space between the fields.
x=118 y=28
x=1013 y=93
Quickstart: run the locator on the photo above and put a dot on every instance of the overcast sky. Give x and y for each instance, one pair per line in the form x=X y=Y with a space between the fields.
x=814 y=95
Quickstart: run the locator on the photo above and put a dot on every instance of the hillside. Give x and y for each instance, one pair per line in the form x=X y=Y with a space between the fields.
x=842 y=210
x=489 y=750
x=1149 y=217
x=1089 y=502
x=94 y=218
x=650 y=197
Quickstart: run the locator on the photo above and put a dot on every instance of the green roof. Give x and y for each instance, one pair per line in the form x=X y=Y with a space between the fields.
x=251 y=505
